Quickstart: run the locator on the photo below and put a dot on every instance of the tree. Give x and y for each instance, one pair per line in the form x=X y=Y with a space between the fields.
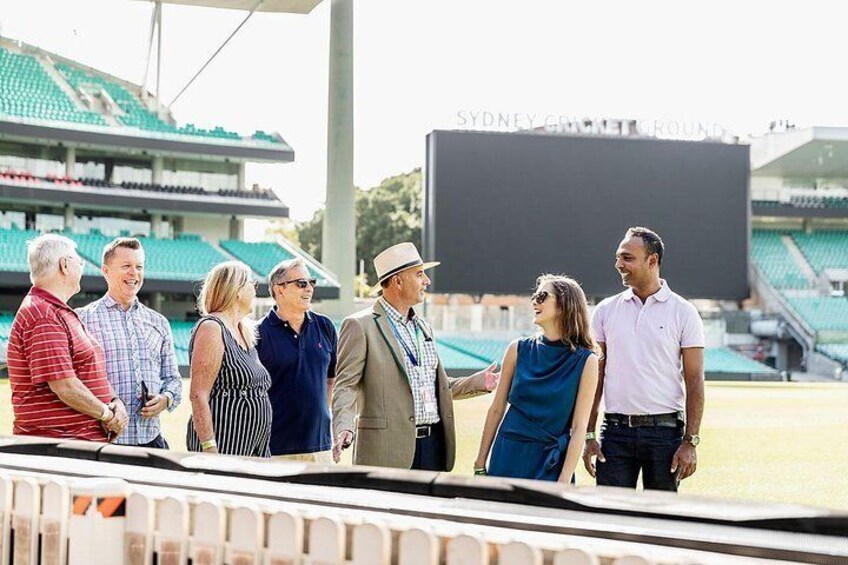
x=386 y=214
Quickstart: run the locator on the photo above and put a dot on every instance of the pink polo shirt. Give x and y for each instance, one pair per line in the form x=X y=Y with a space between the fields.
x=644 y=369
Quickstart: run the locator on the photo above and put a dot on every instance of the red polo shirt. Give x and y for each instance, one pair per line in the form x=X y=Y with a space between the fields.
x=48 y=343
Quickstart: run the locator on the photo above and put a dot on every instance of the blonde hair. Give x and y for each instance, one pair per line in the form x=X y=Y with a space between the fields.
x=573 y=311
x=220 y=291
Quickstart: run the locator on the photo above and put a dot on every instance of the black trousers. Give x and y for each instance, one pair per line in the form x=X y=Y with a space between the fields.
x=430 y=450
x=629 y=451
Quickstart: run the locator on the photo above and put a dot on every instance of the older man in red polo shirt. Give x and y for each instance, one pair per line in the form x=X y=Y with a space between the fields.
x=57 y=371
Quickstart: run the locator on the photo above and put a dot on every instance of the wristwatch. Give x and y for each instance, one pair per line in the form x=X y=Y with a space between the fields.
x=693 y=439
x=590 y=436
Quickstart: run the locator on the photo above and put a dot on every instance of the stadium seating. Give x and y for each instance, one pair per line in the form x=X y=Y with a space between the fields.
x=135 y=114
x=818 y=201
x=27 y=91
x=27 y=177
x=13 y=255
x=726 y=360
x=6 y=319
x=824 y=249
x=772 y=257
x=186 y=258
x=182 y=335
x=837 y=351
x=822 y=313
x=484 y=349
x=256 y=195
x=455 y=360
x=154 y=187
x=263 y=257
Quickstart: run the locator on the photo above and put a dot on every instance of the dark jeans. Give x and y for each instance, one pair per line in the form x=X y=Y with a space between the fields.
x=430 y=451
x=158 y=442
x=628 y=451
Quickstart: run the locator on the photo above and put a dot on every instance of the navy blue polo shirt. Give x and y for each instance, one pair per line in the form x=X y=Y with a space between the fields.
x=300 y=365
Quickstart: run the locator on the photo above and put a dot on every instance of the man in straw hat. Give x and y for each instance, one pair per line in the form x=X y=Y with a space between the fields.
x=391 y=389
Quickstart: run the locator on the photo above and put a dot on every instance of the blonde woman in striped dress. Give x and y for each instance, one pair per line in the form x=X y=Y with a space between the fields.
x=230 y=409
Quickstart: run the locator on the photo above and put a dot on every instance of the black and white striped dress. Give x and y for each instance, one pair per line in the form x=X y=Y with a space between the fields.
x=241 y=410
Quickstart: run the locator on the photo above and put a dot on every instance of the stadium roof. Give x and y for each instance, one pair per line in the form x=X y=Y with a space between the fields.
x=815 y=152
x=277 y=6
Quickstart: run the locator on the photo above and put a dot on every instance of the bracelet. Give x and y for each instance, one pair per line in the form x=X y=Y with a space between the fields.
x=106 y=414
x=590 y=436
x=480 y=471
x=208 y=444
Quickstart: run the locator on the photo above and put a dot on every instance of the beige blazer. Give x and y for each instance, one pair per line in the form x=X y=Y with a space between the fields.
x=372 y=395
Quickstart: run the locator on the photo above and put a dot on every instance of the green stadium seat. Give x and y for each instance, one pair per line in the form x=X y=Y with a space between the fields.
x=824 y=249
x=726 y=360
x=836 y=351
x=181 y=259
x=772 y=257
x=486 y=350
x=27 y=91
x=13 y=251
x=263 y=257
x=822 y=313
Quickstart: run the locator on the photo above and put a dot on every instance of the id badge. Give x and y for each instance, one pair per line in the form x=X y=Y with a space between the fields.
x=430 y=404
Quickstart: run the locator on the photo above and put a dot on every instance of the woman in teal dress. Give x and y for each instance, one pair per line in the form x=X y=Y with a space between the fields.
x=549 y=382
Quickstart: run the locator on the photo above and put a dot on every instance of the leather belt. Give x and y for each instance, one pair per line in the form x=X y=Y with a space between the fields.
x=671 y=420
x=423 y=431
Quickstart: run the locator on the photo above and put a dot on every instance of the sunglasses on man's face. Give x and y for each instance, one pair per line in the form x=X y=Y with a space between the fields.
x=301 y=283
x=539 y=297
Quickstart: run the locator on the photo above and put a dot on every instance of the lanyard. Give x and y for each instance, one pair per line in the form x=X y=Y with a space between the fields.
x=415 y=360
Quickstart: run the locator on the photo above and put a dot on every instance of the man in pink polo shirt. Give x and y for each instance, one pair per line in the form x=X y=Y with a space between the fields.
x=653 y=346
x=57 y=371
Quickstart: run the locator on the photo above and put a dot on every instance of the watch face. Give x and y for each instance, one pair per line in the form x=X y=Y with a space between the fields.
x=694 y=440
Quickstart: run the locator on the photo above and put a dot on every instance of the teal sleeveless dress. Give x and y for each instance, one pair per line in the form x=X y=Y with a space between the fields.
x=534 y=434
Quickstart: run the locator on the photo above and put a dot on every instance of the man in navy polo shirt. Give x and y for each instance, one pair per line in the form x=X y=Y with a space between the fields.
x=298 y=347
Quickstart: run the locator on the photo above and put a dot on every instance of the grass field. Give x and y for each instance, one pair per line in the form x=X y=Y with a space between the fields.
x=767 y=442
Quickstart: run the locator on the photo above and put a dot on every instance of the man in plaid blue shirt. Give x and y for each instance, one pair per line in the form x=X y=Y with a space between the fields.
x=140 y=359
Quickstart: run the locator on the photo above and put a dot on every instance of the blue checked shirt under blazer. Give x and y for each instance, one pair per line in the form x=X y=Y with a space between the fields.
x=139 y=346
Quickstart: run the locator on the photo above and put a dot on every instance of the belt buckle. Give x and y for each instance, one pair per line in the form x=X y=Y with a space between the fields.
x=422 y=431
x=630 y=420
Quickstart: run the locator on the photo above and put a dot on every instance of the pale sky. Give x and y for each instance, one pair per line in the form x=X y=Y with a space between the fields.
x=417 y=63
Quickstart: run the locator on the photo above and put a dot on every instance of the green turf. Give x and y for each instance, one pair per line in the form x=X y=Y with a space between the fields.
x=769 y=442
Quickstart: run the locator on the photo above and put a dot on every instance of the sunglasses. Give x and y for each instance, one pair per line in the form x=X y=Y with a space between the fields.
x=539 y=297
x=301 y=283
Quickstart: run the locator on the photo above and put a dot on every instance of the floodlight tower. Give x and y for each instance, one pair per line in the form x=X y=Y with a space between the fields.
x=338 y=241
x=339 y=229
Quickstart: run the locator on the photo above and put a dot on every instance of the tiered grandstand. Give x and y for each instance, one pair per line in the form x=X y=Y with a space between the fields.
x=81 y=149
x=93 y=157
x=799 y=186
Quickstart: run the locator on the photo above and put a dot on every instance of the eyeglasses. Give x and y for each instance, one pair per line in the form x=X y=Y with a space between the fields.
x=539 y=297
x=300 y=283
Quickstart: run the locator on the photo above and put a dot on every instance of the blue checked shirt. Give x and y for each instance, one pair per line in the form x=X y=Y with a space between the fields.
x=138 y=346
x=422 y=377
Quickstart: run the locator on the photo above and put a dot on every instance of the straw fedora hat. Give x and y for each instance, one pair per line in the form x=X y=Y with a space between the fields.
x=398 y=258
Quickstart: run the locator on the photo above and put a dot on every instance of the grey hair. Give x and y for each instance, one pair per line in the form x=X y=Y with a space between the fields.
x=278 y=273
x=44 y=253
